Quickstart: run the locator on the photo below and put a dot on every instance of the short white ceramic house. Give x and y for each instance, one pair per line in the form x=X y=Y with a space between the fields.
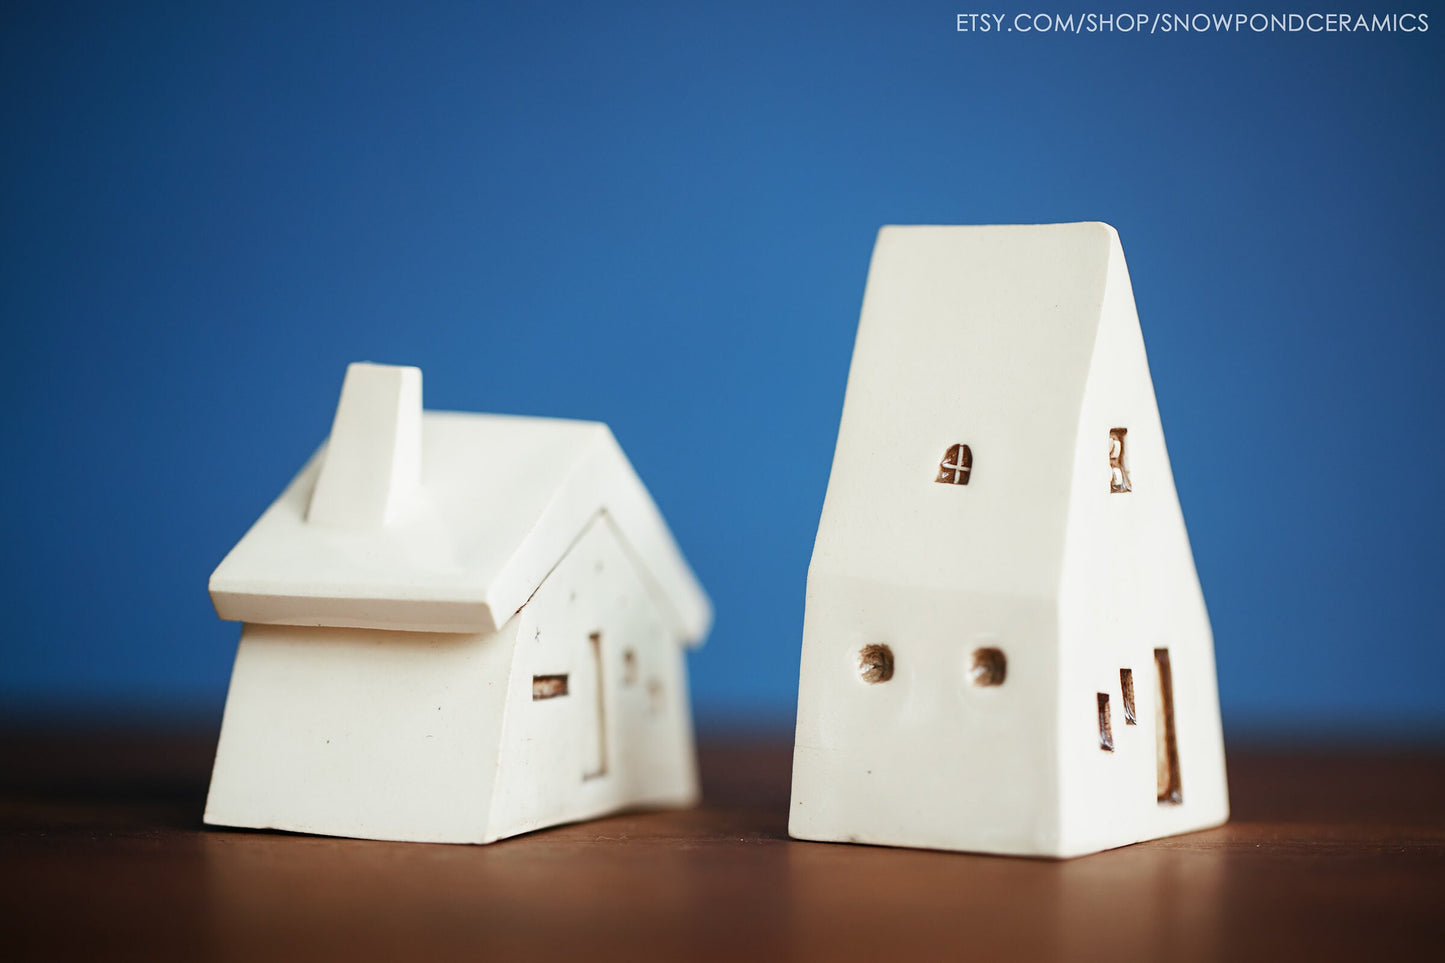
x=458 y=627
x=1005 y=648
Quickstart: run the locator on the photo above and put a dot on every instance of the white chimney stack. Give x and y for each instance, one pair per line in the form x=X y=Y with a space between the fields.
x=373 y=460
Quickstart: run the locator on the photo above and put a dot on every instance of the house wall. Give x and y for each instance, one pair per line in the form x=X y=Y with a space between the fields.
x=927 y=758
x=967 y=335
x=1129 y=586
x=361 y=732
x=621 y=735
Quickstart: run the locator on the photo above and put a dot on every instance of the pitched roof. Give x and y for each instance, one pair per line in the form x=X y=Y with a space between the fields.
x=969 y=335
x=499 y=501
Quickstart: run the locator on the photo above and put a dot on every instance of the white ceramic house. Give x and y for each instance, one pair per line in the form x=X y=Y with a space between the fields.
x=1005 y=647
x=458 y=627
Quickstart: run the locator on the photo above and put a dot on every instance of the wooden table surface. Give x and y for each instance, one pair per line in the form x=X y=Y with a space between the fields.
x=1330 y=855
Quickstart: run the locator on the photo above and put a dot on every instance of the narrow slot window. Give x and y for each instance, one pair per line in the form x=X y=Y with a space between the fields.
x=1106 y=732
x=1126 y=686
x=548 y=687
x=1118 y=466
x=597 y=755
x=1166 y=745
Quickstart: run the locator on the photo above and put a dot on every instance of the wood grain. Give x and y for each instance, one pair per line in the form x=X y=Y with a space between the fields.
x=102 y=856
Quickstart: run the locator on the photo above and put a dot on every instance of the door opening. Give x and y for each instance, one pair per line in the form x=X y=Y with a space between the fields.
x=1166 y=746
x=595 y=750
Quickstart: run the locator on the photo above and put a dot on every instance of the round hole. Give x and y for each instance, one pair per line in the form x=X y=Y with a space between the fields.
x=988 y=667
x=875 y=663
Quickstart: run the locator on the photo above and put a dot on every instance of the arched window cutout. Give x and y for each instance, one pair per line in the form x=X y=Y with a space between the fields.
x=956 y=466
x=1118 y=469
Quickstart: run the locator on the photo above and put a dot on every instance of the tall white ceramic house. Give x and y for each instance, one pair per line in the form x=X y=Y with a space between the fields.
x=1005 y=647
x=458 y=627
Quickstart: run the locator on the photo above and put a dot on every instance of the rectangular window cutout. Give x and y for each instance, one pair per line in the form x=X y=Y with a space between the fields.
x=1166 y=746
x=597 y=750
x=548 y=686
x=1126 y=685
x=1106 y=732
x=1118 y=467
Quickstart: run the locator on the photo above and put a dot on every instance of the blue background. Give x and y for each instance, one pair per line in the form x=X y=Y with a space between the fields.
x=661 y=217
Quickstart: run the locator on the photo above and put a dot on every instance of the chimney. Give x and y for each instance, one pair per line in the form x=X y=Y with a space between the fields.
x=373 y=461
